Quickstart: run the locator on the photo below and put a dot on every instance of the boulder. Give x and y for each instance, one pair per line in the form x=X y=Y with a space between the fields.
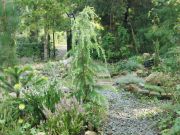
x=160 y=79
x=146 y=56
x=132 y=88
x=139 y=72
x=124 y=73
x=149 y=63
x=154 y=78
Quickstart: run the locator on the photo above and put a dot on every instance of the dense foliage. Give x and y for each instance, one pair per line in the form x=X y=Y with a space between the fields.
x=9 y=19
x=139 y=40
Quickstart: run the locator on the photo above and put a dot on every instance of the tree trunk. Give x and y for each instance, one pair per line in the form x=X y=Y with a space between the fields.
x=157 y=57
x=54 y=47
x=49 y=46
x=69 y=40
x=134 y=39
x=126 y=15
x=45 y=44
x=4 y=14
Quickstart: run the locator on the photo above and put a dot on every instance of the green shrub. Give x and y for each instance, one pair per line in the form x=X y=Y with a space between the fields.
x=170 y=124
x=95 y=115
x=175 y=130
x=131 y=65
x=154 y=88
x=116 y=44
x=46 y=94
x=137 y=59
x=14 y=119
x=25 y=48
x=37 y=94
x=14 y=78
x=172 y=60
x=84 y=69
x=129 y=79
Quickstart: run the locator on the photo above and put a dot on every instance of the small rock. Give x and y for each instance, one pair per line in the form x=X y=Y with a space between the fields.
x=13 y=94
x=90 y=133
x=146 y=92
x=153 y=93
x=139 y=72
x=132 y=88
x=124 y=73
x=41 y=133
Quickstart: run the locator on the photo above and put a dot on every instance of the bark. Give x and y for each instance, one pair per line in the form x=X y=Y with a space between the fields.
x=45 y=44
x=69 y=40
x=126 y=15
x=49 y=46
x=110 y=20
x=4 y=14
x=134 y=39
x=54 y=47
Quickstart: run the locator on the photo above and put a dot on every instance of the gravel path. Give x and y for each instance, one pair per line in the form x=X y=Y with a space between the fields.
x=61 y=51
x=128 y=115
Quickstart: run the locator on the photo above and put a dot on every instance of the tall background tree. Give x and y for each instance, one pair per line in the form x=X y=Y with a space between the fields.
x=47 y=17
x=8 y=25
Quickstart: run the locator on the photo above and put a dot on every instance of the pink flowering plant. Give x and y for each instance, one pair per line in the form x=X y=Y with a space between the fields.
x=68 y=118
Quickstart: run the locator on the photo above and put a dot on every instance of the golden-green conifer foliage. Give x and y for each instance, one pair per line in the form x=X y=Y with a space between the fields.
x=85 y=41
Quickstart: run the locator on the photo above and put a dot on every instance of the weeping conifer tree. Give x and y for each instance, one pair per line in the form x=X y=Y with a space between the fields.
x=84 y=69
x=8 y=26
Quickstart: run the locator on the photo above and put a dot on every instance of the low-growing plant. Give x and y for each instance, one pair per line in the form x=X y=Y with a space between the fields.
x=172 y=60
x=131 y=65
x=45 y=95
x=28 y=108
x=130 y=79
x=170 y=124
x=154 y=88
x=95 y=116
x=137 y=58
x=14 y=78
x=68 y=118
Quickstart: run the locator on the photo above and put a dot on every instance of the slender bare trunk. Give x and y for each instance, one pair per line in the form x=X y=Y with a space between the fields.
x=134 y=39
x=54 y=47
x=45 y=44
x=69 y=40
x=4 y=6
x=4 y=14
